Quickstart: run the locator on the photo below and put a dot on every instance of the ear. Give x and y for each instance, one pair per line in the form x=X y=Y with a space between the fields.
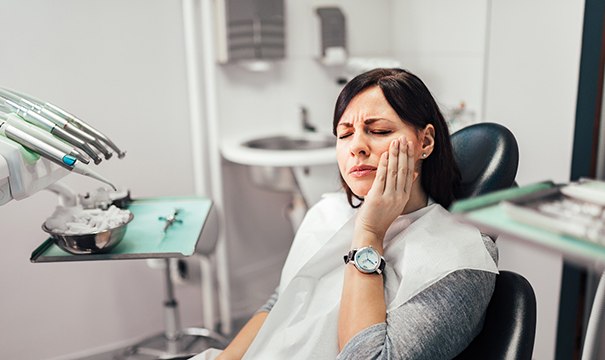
x=427 y=141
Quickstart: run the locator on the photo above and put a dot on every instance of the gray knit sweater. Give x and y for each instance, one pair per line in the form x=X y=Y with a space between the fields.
x=438 y=323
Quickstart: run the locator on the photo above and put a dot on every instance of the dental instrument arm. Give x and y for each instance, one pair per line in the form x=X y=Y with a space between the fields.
x=48 y=125
x=98 y=138
x=51 y=153
x=20 y=123
x=36 y=105
x=36 y=151
x=87 y=128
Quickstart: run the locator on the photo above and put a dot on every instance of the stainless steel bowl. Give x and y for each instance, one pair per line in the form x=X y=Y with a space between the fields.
x=93 y=243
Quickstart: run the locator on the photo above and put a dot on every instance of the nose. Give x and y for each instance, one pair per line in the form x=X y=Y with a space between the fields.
x=359 y=145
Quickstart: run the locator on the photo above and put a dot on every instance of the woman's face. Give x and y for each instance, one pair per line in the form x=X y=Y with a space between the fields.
x=364 y=132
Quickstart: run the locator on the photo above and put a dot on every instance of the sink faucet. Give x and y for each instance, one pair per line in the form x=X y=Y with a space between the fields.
x=304 y=116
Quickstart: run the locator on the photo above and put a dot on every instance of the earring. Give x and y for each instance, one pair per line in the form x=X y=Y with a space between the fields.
x=424 y=155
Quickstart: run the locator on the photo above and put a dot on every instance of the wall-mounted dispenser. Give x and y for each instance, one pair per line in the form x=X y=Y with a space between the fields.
x=333 y=35
x=250 y=32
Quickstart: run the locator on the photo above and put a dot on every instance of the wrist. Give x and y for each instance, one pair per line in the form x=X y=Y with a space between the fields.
x=367 y=238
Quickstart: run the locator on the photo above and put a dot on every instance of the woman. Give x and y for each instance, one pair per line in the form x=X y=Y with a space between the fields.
x=415 y=283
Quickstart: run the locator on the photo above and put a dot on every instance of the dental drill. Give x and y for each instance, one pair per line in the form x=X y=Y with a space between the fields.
x=26 y=110
x=99 y=137
x=37 y=106
x=21 y=124
x=48 y=151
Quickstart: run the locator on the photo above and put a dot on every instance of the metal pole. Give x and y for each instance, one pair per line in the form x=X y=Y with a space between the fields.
x=171 y=308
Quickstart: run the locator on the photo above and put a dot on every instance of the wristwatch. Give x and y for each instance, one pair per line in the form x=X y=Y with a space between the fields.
x=366 y=259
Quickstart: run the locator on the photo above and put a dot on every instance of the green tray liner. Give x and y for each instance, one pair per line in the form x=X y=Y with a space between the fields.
x=144 y=238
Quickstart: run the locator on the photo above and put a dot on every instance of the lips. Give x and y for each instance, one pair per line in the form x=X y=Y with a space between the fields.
x=362 y=170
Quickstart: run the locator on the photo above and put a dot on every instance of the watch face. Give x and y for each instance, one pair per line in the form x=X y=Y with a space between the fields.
x=367 y=259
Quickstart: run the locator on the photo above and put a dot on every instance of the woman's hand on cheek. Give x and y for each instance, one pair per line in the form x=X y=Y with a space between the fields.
x=390 y=190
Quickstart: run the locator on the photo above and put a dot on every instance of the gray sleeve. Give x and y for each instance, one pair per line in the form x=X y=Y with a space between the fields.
x=438 y=323
x=269 y=304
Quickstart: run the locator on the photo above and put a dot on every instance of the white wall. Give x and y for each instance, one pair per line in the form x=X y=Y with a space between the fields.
x=532 y=84
x=443 y=42
x=120 y=66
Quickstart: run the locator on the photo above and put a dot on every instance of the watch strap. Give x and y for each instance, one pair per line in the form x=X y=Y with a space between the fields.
x=382 y=265
x=350 y=256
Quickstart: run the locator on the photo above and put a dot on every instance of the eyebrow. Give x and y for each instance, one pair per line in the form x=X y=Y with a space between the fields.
x=366 y=122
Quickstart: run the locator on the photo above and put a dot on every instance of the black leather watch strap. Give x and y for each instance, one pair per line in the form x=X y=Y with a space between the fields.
x=348 y=257
x=382 y=265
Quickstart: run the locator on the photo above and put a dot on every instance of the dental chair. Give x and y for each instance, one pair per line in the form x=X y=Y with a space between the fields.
x=510 y=321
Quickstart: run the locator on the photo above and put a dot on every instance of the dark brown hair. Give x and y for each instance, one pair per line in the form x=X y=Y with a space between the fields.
x=415 y=105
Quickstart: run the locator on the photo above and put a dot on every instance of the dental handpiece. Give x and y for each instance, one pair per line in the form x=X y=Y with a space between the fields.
x=50 y=127
x=49 y=152
x=78 y=123
x=37 y=106
x=86 y=127
x=19 y=123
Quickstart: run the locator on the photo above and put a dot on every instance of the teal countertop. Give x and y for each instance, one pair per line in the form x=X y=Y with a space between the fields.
x=487 y=213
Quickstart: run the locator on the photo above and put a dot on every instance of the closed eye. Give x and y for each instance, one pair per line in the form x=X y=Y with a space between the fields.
x=381 y=132
x=343 y=136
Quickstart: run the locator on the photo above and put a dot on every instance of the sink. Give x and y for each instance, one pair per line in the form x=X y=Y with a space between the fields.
x=292 y=143
x=282 y=161
x=303 y=164
x=281 y=150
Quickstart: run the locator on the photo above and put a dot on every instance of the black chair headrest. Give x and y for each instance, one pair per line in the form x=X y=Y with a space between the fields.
x=487 y=155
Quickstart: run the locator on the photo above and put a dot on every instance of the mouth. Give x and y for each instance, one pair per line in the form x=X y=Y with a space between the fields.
x=362 y=170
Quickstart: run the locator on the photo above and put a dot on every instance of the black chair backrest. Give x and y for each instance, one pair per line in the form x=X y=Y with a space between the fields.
x=510 y=322
x=487 y=155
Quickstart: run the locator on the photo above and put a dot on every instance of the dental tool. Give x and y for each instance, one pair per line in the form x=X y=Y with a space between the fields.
x=170 y=219
x=49 y=152
x=78 y=123
x=35 y=105
x=49 y=126
x=86 y=128
x=19 y=123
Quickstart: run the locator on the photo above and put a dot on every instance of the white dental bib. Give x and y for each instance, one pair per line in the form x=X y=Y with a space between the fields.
x=420 y=248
